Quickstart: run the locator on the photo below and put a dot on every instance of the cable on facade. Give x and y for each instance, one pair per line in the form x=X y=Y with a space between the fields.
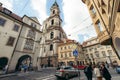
x=82 y=29
x=24 y=6
x=81 y=22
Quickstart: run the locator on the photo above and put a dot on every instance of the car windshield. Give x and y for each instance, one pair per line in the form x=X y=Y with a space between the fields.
x=118 y=66
x=58 y=68
x=67 y=68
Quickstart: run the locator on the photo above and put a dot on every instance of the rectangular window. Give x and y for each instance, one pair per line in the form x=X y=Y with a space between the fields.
x=2 y=22
x=29 y=45
x=61 y=55
x=16 y=28
x=97 y=53
x=65 y=54
x=44 y=49
x=6 y=11
x=93 y=11
x=91 y=55
x=70 y=54
x=61 y=48
x=99 y=26
x=10 y=41
x=103 y=53
x=109 y=52
x=33 y=25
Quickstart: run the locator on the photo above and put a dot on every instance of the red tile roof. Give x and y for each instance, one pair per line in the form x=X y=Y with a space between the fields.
x=11 y=14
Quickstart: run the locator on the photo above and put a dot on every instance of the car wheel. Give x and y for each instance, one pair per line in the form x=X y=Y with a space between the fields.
x=67 y=76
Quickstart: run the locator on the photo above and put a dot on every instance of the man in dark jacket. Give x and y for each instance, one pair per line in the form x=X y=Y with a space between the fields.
x=105 y=72
x=88 y=71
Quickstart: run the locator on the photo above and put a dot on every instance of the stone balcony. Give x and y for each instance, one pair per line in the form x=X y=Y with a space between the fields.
x=104 y=38
x=86 y=1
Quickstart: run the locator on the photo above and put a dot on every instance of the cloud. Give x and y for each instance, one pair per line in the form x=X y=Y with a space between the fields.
x=7 y=4
x=40 y=7
x=77 y=19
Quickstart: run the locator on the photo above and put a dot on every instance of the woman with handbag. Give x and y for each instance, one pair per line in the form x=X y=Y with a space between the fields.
x=97 y=72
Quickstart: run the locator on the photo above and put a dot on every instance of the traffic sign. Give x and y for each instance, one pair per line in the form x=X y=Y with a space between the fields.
x=75 y=53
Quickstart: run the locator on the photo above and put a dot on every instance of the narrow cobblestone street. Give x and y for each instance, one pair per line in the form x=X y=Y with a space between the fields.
x=48 y=74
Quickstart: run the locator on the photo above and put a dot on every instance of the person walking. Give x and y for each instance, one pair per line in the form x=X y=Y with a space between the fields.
x=105 y=72
x=5 y=69
x=88 y=71
x=97 y=72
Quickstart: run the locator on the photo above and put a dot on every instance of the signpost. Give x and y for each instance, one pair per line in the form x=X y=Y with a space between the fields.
x=75 y=53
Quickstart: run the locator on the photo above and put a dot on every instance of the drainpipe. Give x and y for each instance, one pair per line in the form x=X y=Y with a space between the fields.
x=15 y=47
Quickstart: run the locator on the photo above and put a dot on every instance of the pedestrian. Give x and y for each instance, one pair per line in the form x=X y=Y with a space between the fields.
x=88 y=71
x=97 y=72
x=25 y=67
x=105 y=72
x=5 y=69
x=22 y=68
x=106 y=64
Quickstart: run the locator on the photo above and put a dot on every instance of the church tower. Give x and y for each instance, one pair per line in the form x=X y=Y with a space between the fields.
x=53 y=34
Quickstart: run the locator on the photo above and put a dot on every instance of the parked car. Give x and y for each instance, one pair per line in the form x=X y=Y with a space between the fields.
x=67 y=72
x=81 y=67
x=118 y=69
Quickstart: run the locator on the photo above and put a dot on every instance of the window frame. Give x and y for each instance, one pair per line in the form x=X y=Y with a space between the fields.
x=16 y=27
x=51 y=47
x=10 y=41
x=3 y=21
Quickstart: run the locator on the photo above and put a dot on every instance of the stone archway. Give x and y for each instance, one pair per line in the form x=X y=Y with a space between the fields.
x=117 y=45
x=26 y=59
x=3 y=62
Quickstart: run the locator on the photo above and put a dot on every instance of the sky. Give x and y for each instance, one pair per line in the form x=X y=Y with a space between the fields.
x=77 y=22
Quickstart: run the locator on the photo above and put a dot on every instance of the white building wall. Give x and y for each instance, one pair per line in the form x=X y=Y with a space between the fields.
x=5 y=32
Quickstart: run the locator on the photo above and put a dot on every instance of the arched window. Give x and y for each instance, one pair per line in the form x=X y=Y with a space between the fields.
x=52 y=22
x=51 y=35
x=51 y=47
x=53 y=11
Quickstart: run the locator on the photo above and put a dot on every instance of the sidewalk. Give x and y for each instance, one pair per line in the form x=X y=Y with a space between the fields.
x=14 y=74
x=7 y=75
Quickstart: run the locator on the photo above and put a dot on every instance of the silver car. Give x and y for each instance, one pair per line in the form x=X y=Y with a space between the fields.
x=118 y=69
x=67 y=72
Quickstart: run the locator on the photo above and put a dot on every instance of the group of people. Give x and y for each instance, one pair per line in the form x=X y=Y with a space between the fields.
x=99 y=70
x=25 y=67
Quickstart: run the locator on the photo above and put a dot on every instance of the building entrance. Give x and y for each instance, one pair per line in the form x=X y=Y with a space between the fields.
x=24 y=61
x=3 y=62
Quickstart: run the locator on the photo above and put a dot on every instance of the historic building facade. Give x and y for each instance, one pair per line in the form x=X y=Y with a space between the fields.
x=10 y=27
x=52 y=36
x=95 y=52
x=27 y=48
x=19 y=40
x=65 y=53
x=106 y=18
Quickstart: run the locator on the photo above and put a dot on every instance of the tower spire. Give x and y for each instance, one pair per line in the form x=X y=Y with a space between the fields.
x=55 y=3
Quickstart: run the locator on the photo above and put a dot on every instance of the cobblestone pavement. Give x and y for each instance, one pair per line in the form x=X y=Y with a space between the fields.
x=48 y=74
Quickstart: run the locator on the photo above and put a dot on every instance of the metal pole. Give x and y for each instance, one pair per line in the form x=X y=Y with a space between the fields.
x=77 y=68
